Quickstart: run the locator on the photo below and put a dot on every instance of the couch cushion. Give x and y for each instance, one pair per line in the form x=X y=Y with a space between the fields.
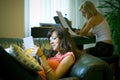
x=24 y=58
x=88 y=66
x=69 y=78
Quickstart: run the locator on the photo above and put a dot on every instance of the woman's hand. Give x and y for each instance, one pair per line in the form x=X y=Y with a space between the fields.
x=39 y=52
x=77 y=31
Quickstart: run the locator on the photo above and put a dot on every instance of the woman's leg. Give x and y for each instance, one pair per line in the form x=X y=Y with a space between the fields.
x=10 y=69
x=101 y=50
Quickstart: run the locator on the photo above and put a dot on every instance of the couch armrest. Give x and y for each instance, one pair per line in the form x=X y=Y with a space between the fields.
x=69 y=78
x=88 y=67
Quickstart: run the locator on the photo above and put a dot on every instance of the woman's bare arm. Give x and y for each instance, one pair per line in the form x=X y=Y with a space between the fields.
x=62 y=68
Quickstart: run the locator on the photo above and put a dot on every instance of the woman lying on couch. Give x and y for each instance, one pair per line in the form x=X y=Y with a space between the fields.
x=63 y=52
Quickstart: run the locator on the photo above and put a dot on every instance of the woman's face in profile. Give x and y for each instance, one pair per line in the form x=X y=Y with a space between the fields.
x=55 y=41
x=83 y=13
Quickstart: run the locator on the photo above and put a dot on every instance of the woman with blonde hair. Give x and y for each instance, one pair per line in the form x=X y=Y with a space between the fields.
x=89 y=8
x=96 y=25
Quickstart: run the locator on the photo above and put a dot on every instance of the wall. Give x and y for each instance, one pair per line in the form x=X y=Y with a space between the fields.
x=12 y=18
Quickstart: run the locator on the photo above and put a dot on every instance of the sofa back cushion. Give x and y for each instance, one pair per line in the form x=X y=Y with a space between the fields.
x=88 y=67
x=43 y=43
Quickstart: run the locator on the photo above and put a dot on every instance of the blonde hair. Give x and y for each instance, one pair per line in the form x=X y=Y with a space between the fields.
x=89 y=8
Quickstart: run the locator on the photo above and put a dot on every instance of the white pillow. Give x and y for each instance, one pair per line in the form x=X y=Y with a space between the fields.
x=24 y=58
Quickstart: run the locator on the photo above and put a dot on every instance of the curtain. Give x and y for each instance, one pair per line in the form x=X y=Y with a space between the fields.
x=42 y=11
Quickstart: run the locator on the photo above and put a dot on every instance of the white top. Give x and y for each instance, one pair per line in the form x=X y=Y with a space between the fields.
x=102 y=31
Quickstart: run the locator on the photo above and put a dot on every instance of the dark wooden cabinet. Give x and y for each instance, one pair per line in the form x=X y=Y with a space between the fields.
x=40 y=32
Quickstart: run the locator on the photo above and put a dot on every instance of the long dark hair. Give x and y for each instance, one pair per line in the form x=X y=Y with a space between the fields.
x=66 y=42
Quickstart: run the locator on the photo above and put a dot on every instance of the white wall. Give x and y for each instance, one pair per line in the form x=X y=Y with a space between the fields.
x=12 y=18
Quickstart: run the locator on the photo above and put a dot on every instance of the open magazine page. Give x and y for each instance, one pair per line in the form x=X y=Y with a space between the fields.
x=29 y=45
x=64 y=23
x=28 y=42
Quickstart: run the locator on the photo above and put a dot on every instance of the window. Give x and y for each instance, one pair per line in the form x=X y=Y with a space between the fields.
x=44 y=10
